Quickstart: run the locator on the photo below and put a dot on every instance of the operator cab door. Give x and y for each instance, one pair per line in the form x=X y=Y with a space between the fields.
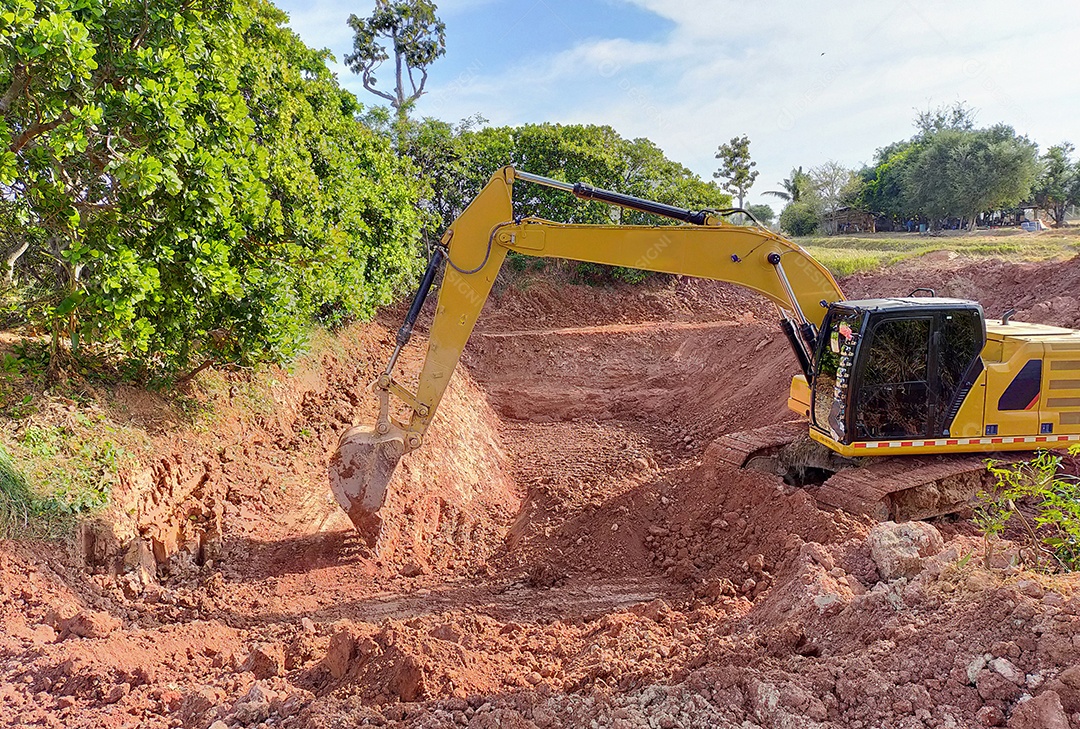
x=893 y=399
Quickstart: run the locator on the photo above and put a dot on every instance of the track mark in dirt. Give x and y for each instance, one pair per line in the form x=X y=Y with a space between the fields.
x=641 y=327
x=516 y=601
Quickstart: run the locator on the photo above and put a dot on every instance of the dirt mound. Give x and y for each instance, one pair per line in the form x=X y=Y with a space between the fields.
x=566 y=550
x=1047 y=292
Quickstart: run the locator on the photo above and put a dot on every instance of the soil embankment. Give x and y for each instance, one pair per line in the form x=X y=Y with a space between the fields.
x=564 y=551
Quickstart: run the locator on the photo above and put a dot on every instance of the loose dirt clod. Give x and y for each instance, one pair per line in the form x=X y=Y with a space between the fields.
x=565 y=550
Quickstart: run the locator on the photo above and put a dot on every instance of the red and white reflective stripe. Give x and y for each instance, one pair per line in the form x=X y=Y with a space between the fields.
x=967 y=441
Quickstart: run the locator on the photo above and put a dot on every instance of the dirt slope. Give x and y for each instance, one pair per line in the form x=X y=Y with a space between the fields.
x=565 y=551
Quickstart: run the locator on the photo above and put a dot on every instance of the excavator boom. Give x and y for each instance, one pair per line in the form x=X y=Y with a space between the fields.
x=890 y=376
x=473 y=250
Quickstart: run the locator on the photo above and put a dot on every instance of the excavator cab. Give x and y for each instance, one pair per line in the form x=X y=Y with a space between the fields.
x=895 y=369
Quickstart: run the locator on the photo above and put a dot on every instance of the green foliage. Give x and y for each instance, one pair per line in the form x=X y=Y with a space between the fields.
x=736 y=169
x=1051 y=536
x=961 y=173
x=22 y=514
x=764 y=214
x=193 y=179
x=950 y=169
x=416 y=38
x=884 y=191
x=1058 y=186
x=459 y=159
x=799 y=218
x=794 y=187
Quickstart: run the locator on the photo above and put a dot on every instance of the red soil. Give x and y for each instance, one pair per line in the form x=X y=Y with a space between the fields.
x=564 y=551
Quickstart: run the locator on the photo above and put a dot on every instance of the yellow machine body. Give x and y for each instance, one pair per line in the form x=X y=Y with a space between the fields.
x=1050 y=419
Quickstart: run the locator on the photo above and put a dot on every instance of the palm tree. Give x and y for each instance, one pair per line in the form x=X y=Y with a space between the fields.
x=794 y=186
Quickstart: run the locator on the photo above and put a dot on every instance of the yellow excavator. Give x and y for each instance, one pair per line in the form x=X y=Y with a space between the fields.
x=914 y=377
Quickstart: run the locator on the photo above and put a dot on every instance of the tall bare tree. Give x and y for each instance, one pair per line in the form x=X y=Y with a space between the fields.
x=412 y=33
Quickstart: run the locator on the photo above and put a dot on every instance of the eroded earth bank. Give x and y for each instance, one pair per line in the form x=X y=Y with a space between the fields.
x=566 y=550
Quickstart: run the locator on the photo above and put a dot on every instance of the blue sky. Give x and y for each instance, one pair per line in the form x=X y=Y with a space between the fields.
x=807 y=80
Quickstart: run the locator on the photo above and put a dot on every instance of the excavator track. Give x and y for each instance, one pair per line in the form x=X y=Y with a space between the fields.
x=899 y=488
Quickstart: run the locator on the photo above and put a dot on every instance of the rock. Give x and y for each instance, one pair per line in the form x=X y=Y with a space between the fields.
x=197 y=703
x=990 y=716
x=265 y=660
x=1031 y=588
x=978 y=663
x=898 y=550
x=992 y=687
x=339 y=654
x=286 y=706
x=413 y=569
x=117 y=692
x=254 y=706
x=1004 y=668
x=1042 y=712
x=756 y=563
x=90 y=624
x=219 y=724
x=1067 y=687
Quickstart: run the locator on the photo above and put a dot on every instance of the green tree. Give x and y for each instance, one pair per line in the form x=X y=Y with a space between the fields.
x=459 y=159
x=961 y=173
x=884 y=189
x=408 y=29
x=1058 y=186
x=737 y=169
x=800 y=218
x=794 y=187
x=764 y=214
x=197 y=180
x=957 y=117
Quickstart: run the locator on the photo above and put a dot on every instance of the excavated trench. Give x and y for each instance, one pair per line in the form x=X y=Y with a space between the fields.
x=568 y=549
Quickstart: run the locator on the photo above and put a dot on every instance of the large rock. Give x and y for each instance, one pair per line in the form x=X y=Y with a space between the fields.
x=898 y=550
x=1042 y=712
x=1067 y=687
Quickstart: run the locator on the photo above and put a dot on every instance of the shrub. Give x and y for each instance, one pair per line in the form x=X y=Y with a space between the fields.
x=1050 y=531
x=799 y=218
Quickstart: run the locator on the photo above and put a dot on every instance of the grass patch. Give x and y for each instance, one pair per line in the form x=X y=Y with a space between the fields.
x=22 y=516
x=846 y=255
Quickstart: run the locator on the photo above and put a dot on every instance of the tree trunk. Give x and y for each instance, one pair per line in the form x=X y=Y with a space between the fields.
x=12 y=258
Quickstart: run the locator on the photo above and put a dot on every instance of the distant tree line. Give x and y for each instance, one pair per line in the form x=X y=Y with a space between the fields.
x=950 y=172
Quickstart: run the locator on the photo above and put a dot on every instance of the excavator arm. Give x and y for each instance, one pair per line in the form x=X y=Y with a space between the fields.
x=473 y=250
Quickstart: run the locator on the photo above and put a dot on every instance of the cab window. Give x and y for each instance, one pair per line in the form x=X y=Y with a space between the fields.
x=894 y=400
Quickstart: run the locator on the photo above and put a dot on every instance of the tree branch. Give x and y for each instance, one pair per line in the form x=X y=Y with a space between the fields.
x=372 y=89
x=36 y=130
x=20 y=79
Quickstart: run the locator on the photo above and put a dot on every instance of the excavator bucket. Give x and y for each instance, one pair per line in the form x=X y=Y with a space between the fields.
x=360 y=471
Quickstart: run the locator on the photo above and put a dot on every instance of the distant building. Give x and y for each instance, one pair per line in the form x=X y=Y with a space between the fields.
x=847 y=220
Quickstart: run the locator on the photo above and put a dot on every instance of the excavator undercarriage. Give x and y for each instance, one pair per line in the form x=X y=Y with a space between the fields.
x=898 y=488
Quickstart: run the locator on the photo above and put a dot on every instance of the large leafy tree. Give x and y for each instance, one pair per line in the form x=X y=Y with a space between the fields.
x=736 y=168
x=197 y=177
x=411 y=33
x=960 y=173
x=459 y=159
x=1058 y=186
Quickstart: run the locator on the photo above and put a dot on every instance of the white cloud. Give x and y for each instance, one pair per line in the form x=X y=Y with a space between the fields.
x=806 y=80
